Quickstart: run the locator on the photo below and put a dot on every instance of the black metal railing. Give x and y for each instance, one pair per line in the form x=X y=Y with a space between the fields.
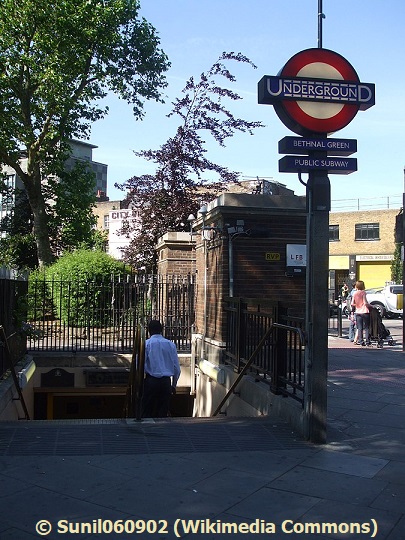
x=247 y=322
x=280 y=359
x=13 y=290
x=289 y=360
x=10 y=347
x=133 y=400
x=102 y=316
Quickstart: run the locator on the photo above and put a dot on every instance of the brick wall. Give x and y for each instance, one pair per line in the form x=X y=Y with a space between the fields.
x=268 y=227
x=176 y=254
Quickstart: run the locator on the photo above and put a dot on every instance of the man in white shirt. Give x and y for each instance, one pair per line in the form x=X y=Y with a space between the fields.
x=162 y=371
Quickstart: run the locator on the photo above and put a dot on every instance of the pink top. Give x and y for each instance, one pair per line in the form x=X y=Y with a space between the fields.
x=359 y=300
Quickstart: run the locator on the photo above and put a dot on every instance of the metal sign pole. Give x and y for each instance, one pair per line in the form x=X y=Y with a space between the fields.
x=299 y=82
x=317 y=308
x=321 y=16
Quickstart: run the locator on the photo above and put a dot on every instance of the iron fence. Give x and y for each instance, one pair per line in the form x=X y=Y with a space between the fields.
x=289 y=358
x=248 y=321
x=13 y=289
x=103 y=315
x=280 y=362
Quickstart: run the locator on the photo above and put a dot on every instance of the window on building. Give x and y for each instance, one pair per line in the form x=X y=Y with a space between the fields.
x=367 y=231
x=7 y=196
x=333 y=233
x=106 y=221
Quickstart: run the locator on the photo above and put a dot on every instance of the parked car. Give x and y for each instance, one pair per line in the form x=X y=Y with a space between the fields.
x=343 y=307
x=388 y=300
x=333 y=309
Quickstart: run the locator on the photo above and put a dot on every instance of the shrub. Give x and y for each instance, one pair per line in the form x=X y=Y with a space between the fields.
x=39 y=300
x=83 y=287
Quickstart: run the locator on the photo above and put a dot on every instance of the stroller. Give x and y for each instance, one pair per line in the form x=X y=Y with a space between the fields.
x=378 y=332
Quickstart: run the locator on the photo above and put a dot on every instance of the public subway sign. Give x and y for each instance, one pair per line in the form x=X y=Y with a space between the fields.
x=316 y=92
x=333 y=165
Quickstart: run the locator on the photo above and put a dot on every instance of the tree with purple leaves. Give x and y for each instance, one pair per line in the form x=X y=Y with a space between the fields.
x=185 y=177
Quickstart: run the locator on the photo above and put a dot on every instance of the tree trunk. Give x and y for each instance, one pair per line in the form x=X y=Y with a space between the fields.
x=32 y=183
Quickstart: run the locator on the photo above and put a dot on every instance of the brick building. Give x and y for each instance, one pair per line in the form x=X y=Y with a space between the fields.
x=361 y=243
x=102 y=212
x=241 y=251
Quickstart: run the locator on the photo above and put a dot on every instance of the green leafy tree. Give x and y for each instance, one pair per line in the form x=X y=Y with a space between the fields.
x=57 y=61
x=185 y=177
x=18 y=252
x=17 y=242
x=397 y=265
x=69 y=200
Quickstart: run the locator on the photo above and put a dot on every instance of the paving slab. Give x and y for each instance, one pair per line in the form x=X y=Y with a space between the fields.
x=344 y=463
x=393 y=472
x=346 y=513
x=328 y=485
x=274 y=505
x=336 y=404
x=398 y=531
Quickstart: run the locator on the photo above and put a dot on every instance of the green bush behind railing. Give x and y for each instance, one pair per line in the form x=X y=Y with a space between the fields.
x=81 y=289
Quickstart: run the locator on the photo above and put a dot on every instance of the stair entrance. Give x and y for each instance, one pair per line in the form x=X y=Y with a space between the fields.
x=97 y=387
x=79 y=403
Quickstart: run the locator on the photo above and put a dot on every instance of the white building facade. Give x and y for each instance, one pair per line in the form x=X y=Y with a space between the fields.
x=121 y=224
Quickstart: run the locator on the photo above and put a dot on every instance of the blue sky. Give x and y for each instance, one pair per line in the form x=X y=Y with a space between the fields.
x=369 y=34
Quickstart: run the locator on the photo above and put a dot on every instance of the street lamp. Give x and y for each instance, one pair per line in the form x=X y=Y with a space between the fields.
x=191 y=219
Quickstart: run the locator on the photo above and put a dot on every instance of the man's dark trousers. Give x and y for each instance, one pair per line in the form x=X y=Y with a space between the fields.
x=156 y=397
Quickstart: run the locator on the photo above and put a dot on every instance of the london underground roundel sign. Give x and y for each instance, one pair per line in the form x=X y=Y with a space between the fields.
x=317 y=91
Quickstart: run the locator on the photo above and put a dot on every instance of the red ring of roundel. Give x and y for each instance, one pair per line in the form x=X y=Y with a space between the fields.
x=348 y=112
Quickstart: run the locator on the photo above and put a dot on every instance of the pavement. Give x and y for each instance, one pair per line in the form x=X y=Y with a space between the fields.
x=219 y=478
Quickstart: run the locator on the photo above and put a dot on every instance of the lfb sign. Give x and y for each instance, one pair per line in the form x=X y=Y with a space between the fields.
x=296 y=255
x=317 y=91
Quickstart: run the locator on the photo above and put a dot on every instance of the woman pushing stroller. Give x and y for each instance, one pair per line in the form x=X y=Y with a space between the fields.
x=362 y=313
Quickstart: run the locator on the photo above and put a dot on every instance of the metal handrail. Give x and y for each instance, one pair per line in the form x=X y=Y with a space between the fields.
x=231 y=390
x=133 y=403
x=301 y=333
x=13 y=373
